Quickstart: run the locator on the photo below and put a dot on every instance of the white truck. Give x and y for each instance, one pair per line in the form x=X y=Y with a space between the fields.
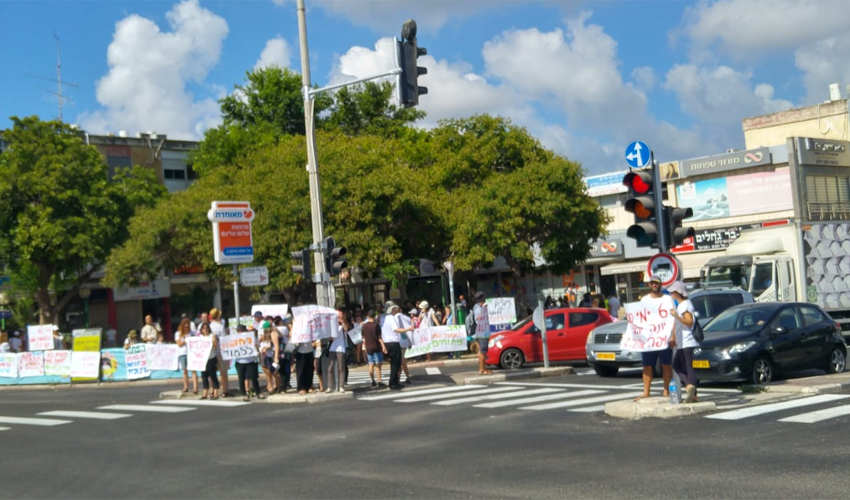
x=806 y=262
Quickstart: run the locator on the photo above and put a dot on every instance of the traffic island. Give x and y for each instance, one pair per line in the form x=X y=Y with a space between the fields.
x=655 y=407
x=317 y=397
x=504 y=375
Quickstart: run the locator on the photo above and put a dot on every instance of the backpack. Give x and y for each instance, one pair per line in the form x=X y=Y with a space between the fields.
x=470 y=324
x=696 y=331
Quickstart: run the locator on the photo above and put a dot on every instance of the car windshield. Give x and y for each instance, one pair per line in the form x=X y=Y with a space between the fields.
x=521 y=323
x=747 y=319
x=735 y=276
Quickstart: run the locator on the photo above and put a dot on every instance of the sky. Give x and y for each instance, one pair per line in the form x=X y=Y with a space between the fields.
x=585 y=77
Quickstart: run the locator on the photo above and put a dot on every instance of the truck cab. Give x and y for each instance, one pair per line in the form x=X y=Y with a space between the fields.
x=769 y=278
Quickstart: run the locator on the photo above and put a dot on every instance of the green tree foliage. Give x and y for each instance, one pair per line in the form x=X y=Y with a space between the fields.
x=368 y=110
x=59 y=211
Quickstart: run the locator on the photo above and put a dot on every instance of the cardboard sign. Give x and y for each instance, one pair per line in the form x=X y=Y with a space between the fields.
x=136 y=362
x=313 y=323
x=502 y=310
x=198 y=352
x=650 y=325
x=162 y=356
x=85 y=364
x=240 y=345
x=30 y=364
x=356 y=334
x=447 y=338
x=9 y=365
x=57 y=363
x=86 y=340
x=246 y=321
x=40 y=337
x=271 y=310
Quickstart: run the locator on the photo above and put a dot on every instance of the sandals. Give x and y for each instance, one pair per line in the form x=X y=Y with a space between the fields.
x=246 y=398
x=485 y=372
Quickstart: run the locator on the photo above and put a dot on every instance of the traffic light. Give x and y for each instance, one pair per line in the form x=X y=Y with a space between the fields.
x=673 y=218
x=644 y=204
x=334 y=263
x=408 y=54
x=303 y=269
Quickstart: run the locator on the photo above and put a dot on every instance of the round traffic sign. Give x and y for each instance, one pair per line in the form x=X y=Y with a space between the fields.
x=666 y=266
x=637 y=154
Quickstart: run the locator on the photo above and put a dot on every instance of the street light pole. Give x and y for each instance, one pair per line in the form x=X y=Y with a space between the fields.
x=4 y=301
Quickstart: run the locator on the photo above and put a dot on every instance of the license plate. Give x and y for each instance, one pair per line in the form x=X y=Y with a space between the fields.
x=609 y=356
x=701 y=363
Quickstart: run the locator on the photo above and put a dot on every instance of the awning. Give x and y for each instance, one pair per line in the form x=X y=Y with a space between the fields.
x=693 y=262
x=632 y=266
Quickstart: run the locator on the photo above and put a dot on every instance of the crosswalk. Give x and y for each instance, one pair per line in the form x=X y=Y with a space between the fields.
x=808 y=417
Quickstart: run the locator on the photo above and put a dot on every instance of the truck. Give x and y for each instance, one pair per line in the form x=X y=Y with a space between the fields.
x=793 y=261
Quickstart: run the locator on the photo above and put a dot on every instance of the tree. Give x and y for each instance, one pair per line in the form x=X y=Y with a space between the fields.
x=59 y=211
x=368 y=110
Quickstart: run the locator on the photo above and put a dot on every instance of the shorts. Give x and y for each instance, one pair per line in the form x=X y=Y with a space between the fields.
x=268 y=362
x=375 y=358
x=651 y=357
x=182 y=362
x=482 y=345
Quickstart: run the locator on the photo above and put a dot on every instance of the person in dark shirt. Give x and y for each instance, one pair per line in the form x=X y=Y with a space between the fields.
x=375 y=348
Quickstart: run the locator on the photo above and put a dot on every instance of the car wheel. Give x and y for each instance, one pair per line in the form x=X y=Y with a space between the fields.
x=473 y=347
x=512 y=359
x=762 y=371
x=606 y=371
x=837 y=360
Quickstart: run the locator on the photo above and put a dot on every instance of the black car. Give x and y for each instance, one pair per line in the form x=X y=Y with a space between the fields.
x=752 y=342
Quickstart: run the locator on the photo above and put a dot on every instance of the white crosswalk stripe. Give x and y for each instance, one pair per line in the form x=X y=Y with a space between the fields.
x=538 y=399
x=753 y=411
x=4 y=428
x=394 y=395
x=434 y=397
x=85 y=414
x=583 y=401
x=200 y=402
x=819 y=415
x=147 y=408
x=43 y=422
x=487 y=397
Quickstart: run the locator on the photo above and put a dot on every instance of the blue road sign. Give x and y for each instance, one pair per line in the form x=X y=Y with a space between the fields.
x=637 y=154
x=6 y=314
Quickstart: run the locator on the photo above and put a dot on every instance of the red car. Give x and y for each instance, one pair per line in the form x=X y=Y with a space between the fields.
x=566 y=336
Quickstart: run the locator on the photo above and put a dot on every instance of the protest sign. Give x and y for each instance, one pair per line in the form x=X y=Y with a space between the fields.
x=271 y=309
x=313 y=322
x=198 y=352
x=356 y=334
x=85 y=365
x=162 y=356
x=246 y=321
x=30 y=364
x=447 y=338
x=501 y=310
x=57 y=363
x=240 y=345
x=136 y=361
x=650 y=325
x=9 y=365
x=86 y=340
x=40 y=337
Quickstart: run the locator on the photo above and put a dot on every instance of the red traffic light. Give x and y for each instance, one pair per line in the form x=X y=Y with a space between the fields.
x=639 y=182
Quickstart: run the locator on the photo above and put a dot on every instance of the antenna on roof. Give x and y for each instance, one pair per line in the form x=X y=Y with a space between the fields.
x=58 y=80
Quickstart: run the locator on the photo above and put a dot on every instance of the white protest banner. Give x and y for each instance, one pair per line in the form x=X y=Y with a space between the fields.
x=313 y=322
x=650 y=325
x=447 y=338
x=9 y=365
x=501 y=310
x=162 y=356
x=246 y=321
x=30 y=364
x=40 y=337
x=240 y=345
x=198 y=349
x=356 y=334
x=271 y=310
x=85 y=364
x=136 y=362
x=57 y=363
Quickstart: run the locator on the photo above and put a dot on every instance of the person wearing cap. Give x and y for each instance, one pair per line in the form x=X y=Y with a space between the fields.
x=258 y=320
x=650 y=358
x=683 y=360
x=392 y=327
x=482 y=331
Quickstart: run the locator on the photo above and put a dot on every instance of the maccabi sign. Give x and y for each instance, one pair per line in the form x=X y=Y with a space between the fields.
x=232 y=239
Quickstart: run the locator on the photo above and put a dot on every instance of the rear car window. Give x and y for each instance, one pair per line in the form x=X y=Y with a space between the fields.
x=583 y=318
x=708 y=306
x=812 y=316
x=555 y=322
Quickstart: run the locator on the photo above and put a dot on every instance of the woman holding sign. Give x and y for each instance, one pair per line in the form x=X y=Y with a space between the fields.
x=184 y=331
x=683 y=360
x=210 y=375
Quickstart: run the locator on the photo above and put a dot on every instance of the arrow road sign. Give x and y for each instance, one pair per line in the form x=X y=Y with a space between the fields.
x=255 y=276
x=637 y=154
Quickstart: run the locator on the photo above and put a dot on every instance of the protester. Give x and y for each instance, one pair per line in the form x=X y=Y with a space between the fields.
x=482 y=331
x=269 y=355
x=613 y=304
x=246 y=370
x=209 y=374
x=359 y=349
x=650 y=358
x=4 y=342
x=391 y=330
x=149 y=330
x=217 y=328
x=304 y=360
x=317 y=364
x=58 y=339
x=336 y=365
x=375 y=348
x=285 y=360
x=111 y=336
x=684 y=342
x=183 y=332
x=131 y=339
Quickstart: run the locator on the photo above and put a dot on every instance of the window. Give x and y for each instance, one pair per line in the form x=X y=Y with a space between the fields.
x=555 y=322
x=811 y=316
x=787 y=319
x=827 y=196
x=115 y=162
x=708 y=306
x=583 y=318
x=170 y=174
x=763 y=278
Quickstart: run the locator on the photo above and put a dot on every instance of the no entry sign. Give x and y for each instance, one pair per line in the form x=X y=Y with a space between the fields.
x=666 y=266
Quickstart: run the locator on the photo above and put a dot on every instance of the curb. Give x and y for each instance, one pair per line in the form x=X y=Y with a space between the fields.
x=807 y=389
x=316 y=398
x=515 y=375
x=655 y=407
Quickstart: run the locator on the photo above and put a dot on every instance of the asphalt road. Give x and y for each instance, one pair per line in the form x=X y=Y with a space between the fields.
x=386 y=448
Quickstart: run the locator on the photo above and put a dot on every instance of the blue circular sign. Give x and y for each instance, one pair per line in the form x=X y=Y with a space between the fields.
x=637 y=154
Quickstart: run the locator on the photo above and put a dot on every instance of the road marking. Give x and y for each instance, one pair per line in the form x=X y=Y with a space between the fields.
x=770 y=408
x=199 y=402
x=86 y=414
x=819 y=415
x=566 y=386
x=538 y=399
x=154 y=409
x=44 y=422
x=582 y=402
x=432 y=371
x=512 y=393
x=589 y=409
x=432 y=397
x=400 y=394
x=4 y=428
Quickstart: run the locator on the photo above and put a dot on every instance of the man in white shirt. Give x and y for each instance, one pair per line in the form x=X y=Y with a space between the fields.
x=150 y=330
x=482 y=331
x=650 y=358
x=15 y=342
x=392 y=327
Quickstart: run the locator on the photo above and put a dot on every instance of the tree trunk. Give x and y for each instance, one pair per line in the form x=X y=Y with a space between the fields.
x=522 y=304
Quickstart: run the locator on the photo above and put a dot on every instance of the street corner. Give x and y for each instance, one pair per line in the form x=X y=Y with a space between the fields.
x=821 y=384
x=505 y=375
x=655 y=407
x=314 y=398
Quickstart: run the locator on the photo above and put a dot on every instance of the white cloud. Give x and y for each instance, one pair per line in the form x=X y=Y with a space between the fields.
x=644 y=78
x=275 y=53
x=146 y=86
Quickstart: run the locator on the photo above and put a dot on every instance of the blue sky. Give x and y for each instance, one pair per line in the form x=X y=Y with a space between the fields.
x=585 y=77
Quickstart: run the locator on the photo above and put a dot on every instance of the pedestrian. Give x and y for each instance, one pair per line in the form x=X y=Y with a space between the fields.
x=149 y=330
x=209 y=375
x=650 y=358
x=586 y=300
x=482 y=331
x=359 y=349
x=131 y=339
x=613 y=304
x=217 y=328
x=304 y=360
x=246 y=370
x=111 y=336
x=392 y=328
x=285 y=360
x=269 y=355
x=318 y=351
x=375 y=348
x=57 y=339
x=684 y=342
x=571 y=297
x=5 y=347
x=184 y=331
x=336 y=364
x=448 y=316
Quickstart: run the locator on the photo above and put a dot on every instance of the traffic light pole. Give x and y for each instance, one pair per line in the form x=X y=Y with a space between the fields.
x=663 y=243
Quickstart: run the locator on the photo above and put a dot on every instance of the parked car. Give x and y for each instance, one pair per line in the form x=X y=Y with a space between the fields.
x=754 y=342
x=566 y=331
x=603 y=351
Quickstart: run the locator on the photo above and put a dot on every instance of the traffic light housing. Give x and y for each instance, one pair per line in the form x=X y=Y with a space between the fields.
x=643 y=201
x=408 y=54
x=334 y=263
x=303 y=269
x=673 y=218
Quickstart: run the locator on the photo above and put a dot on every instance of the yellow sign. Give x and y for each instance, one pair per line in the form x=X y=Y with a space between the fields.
x=86 y=340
